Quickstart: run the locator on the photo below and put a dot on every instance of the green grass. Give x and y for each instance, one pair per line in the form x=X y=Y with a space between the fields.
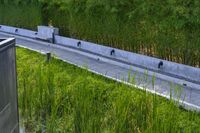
x=58 y=97
x=25 y=16
x=163 y=29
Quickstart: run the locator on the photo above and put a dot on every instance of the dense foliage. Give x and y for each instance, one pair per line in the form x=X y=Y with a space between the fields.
x=167 y=29
x=58 y=97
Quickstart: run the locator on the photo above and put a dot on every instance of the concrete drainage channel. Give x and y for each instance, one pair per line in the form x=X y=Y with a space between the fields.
x=114 y=63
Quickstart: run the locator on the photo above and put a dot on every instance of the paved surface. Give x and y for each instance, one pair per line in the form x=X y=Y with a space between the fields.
x=163 y=85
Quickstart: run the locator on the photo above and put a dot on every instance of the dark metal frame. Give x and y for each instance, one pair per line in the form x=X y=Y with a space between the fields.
x=9 y=115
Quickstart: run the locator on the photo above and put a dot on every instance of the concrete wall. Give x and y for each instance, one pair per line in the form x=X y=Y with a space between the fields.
x=18 y=31
x=8 y=88
x=47 y=33
x=150 y=63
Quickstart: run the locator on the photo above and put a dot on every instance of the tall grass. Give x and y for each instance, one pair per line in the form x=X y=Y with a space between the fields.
x=58 y=97
x=25 y=16
x=164 y=29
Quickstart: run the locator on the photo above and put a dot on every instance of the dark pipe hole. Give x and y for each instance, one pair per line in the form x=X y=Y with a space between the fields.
x=112 y=52
x=79 y=44
x=36 y=33
x=16 y=30
x=184 y=84
x=160 y=64
x=0 y=27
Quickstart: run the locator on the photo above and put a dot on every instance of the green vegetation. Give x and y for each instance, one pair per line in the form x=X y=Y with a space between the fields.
x=165 y=29
x=58 y=97
x=21 y=15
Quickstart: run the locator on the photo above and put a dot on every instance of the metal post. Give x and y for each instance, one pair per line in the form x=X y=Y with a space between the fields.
x=48 y=56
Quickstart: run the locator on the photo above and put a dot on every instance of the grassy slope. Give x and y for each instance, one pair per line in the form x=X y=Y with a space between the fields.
x=63 y=98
